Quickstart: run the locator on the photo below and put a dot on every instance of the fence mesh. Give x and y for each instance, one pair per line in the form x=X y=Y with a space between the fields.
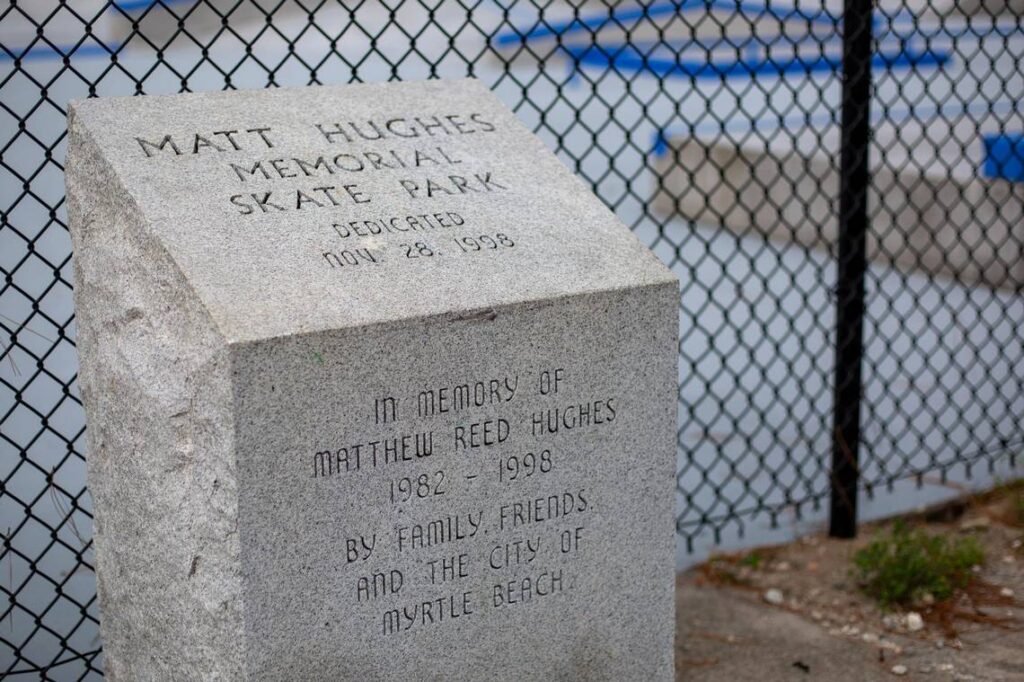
x=711 y=127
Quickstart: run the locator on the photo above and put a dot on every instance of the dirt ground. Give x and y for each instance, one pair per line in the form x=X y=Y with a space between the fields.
x=795 y=612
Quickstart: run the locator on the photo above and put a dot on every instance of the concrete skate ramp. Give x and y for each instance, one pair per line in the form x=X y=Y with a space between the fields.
x=932 y=208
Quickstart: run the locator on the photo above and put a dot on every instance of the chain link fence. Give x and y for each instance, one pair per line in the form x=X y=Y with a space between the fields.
x=880 y=222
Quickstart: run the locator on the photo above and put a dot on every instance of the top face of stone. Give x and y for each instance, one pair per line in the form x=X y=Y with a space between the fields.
x=300 y=210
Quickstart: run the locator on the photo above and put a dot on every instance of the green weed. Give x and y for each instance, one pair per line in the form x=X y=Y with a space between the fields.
x=754 y=560
x=905 y=564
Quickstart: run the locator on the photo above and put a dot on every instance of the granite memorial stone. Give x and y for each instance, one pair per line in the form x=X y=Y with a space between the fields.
x=376 y=390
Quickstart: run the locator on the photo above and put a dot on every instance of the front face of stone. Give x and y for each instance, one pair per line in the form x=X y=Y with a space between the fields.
x=482 y=497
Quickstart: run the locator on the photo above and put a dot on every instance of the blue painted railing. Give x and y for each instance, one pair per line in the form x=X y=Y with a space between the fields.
x=630 y=58
x=1004 y=156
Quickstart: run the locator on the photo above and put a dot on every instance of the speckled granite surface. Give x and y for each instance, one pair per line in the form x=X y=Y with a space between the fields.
x=376 y=390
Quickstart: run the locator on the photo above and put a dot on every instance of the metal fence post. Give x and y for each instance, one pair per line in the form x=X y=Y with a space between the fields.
x=853 y=223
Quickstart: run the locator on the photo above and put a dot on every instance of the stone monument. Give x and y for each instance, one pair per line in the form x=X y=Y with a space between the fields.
x=376 y=390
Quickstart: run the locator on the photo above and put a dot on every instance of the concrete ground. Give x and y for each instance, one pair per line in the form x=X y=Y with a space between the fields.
x=722 y=635
x=729 y=635
x=796 y=611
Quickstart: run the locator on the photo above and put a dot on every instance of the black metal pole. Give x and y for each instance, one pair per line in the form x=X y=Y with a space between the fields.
x=853 y=224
